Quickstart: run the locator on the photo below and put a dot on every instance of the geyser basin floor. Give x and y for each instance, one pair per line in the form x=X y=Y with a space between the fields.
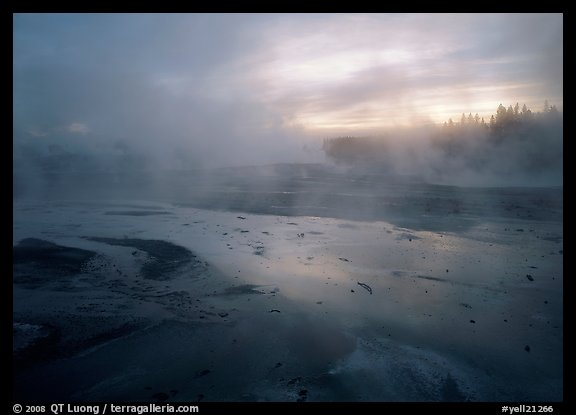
x=269 y=308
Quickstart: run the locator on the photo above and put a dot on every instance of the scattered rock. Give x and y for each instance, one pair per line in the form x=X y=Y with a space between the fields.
x=240 y=217
x=365 y=286
x=465 y=305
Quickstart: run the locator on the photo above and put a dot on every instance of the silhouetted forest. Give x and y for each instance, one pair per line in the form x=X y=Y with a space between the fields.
x=514 y=145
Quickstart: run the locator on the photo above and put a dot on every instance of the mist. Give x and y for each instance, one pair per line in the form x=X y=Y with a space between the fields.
x=514 y=149
x=121 y=92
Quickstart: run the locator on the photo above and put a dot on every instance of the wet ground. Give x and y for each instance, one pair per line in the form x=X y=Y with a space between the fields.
x=218 y=305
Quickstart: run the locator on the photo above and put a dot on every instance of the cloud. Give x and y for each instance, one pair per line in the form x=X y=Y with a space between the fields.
x=406 y=67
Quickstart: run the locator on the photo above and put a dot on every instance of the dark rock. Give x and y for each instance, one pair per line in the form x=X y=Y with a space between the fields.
x=48 y=258
x=166 y=257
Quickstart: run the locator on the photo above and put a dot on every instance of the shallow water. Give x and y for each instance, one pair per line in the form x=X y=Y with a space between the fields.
x=275 y=307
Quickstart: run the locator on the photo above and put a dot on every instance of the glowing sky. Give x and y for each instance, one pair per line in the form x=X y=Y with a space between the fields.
x=235 y=75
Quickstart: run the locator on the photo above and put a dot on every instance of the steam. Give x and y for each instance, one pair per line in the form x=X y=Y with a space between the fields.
x=138 y=96
x=518 y=150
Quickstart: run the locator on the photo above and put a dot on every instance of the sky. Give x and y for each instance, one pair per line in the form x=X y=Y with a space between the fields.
x=200 y=85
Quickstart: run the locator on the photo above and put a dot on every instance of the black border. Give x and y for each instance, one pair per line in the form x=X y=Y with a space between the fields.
x=105 y=6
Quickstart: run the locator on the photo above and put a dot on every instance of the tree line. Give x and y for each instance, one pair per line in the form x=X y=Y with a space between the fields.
x=504 y=119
